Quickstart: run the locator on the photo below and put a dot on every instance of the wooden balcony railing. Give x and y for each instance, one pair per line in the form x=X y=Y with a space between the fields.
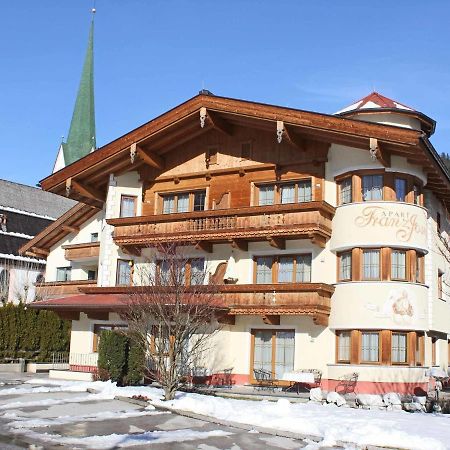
x=54 y=289
x=274 y=223
x=88 y=250
x=267 y=300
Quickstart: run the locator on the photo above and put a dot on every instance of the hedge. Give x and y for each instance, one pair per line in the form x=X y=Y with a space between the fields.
x=30 y=334
x=119 y=359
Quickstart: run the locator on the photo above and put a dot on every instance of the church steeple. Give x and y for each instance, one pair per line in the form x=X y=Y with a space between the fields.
x=81 y=138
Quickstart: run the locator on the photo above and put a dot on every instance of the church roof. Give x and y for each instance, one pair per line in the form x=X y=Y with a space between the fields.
x=375 y=100
x=81 y=139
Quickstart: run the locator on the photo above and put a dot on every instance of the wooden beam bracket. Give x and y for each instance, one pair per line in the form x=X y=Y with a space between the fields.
x=271 y=319
x=204 y=246
x=277 y=242
x=219 y=123
x=378 y=153
x=88 y=191
x=149 y=158
x=239 y=244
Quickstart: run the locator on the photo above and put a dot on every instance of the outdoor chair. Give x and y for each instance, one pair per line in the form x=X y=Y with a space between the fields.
x=199 y=376
x=317 y=377
x=347 y=383
x=264 y=379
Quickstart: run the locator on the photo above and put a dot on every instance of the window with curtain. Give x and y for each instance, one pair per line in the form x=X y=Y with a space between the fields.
x=123 y=277
x=398 y=264
x=197 y=271
x=371 y=265
x=264 y=269
x=303 y=274
x=63 y=273
x=345 y=191
x=128 y=206
x=182 y=203
x=284 y=352
x=400 y=189
x=304 y=191
x=168 y=204
x=199 y=200
x=287 y=193
x=345 y=266
x=344 y=346
x=266 y=195
x=262 y=353
x=285 y=269
x=372 y=187
x=370 y=346
x=399 y=348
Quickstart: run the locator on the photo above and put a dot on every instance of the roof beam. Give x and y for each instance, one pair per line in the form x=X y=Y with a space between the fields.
x=277 y=242
x=150 y=158
x=70 y=228
x=219 y=123
x=239 y=244
x=293 y=139
x=40 y=251
x=204 y=246
x=379 y=153
x=87 y=191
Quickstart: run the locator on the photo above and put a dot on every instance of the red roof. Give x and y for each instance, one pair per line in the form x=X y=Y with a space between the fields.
x=375 y=100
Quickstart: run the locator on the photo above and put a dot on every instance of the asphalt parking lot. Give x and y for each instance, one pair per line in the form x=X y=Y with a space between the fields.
x=30 y=418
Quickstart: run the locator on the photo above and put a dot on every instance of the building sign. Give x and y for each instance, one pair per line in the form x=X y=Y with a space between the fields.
x=404 y=224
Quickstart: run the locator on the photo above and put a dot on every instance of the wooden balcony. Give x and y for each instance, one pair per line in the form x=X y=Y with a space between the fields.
x=266 y=300
x=238 y=226
x=80 y=252
x=54 y=289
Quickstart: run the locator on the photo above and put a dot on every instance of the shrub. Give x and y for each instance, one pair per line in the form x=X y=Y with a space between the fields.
x=27 y=333
x=113 y=355
x=136 y=361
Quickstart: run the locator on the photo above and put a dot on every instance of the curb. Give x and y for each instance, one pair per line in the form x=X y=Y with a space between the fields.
x=244 y=426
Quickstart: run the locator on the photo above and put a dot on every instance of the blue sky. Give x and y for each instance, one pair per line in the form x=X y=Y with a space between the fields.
x=152 y=55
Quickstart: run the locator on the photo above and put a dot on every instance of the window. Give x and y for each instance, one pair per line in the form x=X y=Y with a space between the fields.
x=345 y=266
x=398 y=265
x=94 y=237
x=439 y=284
x=246 y=150
x=284 y=193
x=92 y=275
x=345 y=191
x=400 y=189
x=303 y=272
x=417 y=193
x=199 y=200
x=370 y=346
x=372 y=187
x=264 y=269
x=343 y=347
x=63 y=273
x=197 y=271
x=273 y=350
x=287 y=193
x=183 y=202
x=419 y=268
x=283 y=269
x=123 y=277
x=399 y=348
x=371 y=265
x=128 y=206
x=266 y=195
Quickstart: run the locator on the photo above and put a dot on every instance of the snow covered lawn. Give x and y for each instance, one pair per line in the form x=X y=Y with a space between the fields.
x=394 y=429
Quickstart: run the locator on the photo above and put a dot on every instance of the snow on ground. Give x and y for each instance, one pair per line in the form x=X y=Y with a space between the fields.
x=126 y=440
x=397 y=429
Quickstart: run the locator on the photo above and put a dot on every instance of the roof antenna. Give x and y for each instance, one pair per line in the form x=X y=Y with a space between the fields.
x=93 y=10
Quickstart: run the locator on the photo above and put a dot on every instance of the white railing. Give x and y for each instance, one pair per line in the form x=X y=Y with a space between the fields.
x=83 y=359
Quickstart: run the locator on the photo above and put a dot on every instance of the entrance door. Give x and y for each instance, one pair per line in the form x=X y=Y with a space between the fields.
x=273 y=350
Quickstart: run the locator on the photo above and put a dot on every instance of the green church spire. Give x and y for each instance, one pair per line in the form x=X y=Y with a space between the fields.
x=81 y=138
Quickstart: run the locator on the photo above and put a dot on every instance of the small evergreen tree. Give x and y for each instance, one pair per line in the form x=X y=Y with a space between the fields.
x=112 y=356
x=136 y=363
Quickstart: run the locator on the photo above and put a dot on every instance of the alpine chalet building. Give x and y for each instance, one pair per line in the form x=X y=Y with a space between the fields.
x=328 y=233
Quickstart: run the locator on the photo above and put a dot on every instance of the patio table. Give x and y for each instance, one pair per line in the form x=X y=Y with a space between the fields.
x=296 y=378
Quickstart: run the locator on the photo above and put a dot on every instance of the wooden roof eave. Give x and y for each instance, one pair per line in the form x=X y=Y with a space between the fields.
x=66 y=224
x=303 y=120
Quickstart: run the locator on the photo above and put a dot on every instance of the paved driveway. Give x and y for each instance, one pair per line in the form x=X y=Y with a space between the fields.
x=55 y=420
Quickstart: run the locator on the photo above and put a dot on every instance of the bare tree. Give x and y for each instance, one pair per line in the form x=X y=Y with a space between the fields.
x=172 y=313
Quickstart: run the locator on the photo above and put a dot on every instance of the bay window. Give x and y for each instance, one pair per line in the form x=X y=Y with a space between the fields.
x=343 y=346
x=398 y=264
x=399 y=348
x=345 y=191
x=345 y=266
x=400 y=189
x=370 y=346
x=372 y=187
x=371 y=264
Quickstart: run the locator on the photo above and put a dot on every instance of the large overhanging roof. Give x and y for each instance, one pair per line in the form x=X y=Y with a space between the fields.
x=146 y=145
